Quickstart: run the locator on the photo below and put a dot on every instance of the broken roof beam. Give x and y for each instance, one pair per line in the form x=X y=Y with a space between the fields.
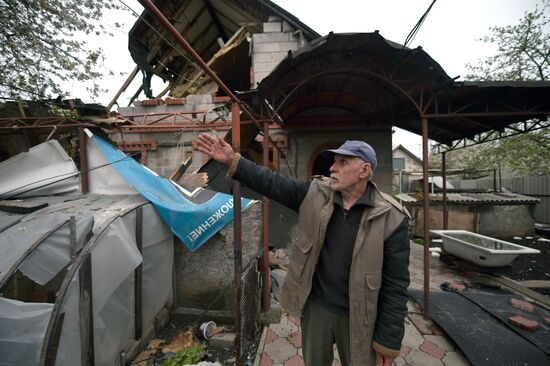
x=233 y=42
x=123 y=87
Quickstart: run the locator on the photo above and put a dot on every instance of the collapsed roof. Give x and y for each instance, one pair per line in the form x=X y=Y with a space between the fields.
x=213 y=28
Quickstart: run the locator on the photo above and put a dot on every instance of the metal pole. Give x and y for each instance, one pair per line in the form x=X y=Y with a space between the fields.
x=266 y=303
x=444 y=172
x=426 y=219
x=147 y=4
x=237 y=243
x=84 y=181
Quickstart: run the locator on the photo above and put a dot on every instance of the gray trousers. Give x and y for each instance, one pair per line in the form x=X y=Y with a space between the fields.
x=321 y=328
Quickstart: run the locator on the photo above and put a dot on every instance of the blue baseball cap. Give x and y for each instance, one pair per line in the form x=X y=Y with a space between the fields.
x=356 y=148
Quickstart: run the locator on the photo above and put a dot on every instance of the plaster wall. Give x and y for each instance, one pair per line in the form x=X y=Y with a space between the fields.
x=496 y=221
x=410 y=163
x=305 y=146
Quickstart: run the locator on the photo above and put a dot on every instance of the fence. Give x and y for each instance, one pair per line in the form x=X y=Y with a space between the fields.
x=538 y=187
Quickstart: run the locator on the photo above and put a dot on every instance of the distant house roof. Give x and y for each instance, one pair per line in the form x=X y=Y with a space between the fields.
x=406 y=151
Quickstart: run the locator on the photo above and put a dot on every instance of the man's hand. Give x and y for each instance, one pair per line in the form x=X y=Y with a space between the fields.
x=382 y=360
x=215 y=147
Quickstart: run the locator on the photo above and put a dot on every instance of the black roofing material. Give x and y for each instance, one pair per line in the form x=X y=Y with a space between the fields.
x=373 y=81
x=497 y=303
x=483 y=339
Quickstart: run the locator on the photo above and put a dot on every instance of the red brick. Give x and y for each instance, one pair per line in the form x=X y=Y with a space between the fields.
x=432 y=349
x=270 y=336
x=404 y=351
x=174 y=101
x=523 y=323
x=522 y=305
x=265 y=360
x=294 y=320
x=220 y=99
x=457 y=286
x=296 y=339
x=294 y=361
x=149 y=102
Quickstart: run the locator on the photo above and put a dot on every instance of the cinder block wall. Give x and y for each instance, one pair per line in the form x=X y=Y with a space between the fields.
x=271 y=46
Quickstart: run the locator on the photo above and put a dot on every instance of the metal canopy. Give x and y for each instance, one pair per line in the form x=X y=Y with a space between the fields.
x=363 y=80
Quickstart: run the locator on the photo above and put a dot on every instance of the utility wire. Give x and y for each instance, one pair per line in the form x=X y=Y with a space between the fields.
x=417 y=26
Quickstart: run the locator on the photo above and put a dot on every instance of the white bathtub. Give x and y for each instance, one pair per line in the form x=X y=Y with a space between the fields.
x=479 y=249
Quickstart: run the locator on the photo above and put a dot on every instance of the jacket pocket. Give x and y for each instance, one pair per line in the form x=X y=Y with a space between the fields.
x=299 y=256
x=373 y=281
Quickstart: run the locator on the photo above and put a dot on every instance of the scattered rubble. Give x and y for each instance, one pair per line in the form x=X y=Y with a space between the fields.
x=523 y=323
x=522 y=305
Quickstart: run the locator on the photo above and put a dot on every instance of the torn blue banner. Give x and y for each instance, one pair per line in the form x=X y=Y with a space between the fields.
x=194 y=217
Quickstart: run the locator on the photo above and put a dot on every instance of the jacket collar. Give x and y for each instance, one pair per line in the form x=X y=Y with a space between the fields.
x=379 y=203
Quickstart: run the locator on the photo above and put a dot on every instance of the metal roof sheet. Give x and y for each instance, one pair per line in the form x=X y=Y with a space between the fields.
x=472 y=198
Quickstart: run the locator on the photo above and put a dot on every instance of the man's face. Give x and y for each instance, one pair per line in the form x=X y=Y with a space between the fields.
x=348 y=172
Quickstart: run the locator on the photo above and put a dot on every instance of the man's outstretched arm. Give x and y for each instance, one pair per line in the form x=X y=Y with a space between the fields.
x=287 y=191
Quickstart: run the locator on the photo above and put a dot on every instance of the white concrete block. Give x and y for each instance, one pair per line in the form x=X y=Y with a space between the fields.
x=258 y=77
x=287 y=27
x=271 y=37
x=272 y=27
x=275 y=47
x=268 y=57
x=266 y=67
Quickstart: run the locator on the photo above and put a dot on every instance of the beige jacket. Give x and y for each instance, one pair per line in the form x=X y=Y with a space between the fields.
x=377 y=224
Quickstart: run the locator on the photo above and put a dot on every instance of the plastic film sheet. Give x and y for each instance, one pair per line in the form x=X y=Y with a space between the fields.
x=114 y=324
x=69 y=350
x=22 y=329
x=43 y=170
x=8 y=219
x=102 y=177
x=114 y=258
x=193 y=216
x=17 y=239
x=54 y=253
x=158 y=262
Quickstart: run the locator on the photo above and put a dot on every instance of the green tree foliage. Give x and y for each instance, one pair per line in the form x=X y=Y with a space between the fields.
x=523 y=49
x=43 y=45
x=523 y=54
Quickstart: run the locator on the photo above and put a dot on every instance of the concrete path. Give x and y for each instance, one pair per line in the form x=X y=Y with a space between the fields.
x=424 y=344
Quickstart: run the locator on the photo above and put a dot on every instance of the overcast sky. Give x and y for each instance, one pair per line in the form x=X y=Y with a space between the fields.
x=450 y=34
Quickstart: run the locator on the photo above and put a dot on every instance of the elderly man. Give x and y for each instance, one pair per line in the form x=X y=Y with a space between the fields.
x=348 y=270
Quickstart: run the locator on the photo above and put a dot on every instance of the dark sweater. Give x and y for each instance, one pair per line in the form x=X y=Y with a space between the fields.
x=330 y=286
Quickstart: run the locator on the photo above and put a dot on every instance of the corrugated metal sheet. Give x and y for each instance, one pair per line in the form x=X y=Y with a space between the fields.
x=472 y=198
x=536 y=187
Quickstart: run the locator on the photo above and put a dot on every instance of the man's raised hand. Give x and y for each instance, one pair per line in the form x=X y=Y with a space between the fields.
x=215 y=147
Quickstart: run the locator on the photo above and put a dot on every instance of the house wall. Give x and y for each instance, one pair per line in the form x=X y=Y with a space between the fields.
x=271 y=46
x=410 y=163
x=305 y=146
x=497 y=221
